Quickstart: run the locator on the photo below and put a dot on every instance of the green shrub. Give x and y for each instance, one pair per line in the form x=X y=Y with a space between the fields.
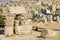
x=1 y=20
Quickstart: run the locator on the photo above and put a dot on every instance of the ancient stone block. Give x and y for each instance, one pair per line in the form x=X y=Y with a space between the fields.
x=8 y=31
x=24 y=29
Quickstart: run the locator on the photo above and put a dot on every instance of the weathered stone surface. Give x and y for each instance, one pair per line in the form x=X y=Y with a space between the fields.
x=24 y=29
x=44 y=33
x=9 y=24
x=16 y=22
x=48 y=33
x=51 y=33
x=8 y=30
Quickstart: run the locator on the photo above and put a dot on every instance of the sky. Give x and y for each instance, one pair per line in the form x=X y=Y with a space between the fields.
x=3 y=0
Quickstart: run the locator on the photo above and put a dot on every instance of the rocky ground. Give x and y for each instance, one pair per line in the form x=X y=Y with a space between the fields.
x=33 y=36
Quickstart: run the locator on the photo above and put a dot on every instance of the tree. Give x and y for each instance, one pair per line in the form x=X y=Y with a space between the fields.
x=1 y=20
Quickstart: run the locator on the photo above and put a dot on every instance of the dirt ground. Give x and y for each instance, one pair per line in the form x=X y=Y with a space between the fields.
x=33 y=36
x=46 y=25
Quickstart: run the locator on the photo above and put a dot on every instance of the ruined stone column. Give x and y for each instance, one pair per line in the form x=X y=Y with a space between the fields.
x=16 y=26
x=49 y=18
x=16 y=22
x=9 y=23
x=45 y=18
x=53 y=8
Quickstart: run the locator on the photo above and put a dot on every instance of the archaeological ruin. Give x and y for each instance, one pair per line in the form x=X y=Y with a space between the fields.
x=22 y=15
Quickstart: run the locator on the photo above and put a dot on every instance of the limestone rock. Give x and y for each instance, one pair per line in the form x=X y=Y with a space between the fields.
x=52 y=33
x=8 y=30
x=24 y=29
